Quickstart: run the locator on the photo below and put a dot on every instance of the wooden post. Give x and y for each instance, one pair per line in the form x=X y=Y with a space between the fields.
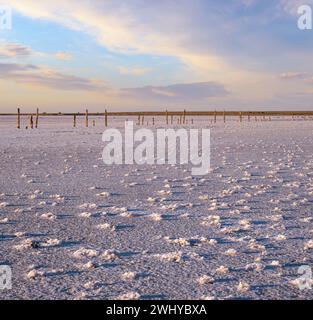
x=240 y=116
x=166 y=117
x=139 y=120
x=153 y=122
x=31 y=122
x=18 y=118
x=106 y=118
x=143 y=120
x=93 y=123
x=74 y=121
x=37 y=118
x=249 y=116
x=172 y=119
x=215 y=115
x=184 y=117
x=224 y=116
x=86 y=119
x=180 y=119
x=191 y=121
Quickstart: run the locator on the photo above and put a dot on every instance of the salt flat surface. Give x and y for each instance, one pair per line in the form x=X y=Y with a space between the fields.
x=72 y=227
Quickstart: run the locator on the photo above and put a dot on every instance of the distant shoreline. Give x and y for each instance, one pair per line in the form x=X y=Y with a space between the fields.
x=169 y=113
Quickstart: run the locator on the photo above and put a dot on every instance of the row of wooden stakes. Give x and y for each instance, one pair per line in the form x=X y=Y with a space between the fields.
x=34 y=124
x=31 y=120
x=180 y=120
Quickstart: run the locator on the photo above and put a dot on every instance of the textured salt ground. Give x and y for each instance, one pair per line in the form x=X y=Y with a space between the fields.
x=250 y=218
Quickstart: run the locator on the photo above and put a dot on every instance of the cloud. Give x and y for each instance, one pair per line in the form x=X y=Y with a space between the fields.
x=293 y=75
x=46 y=77
x=63 y=55
x=12 y=50
x=135 y=71
x=242 y=45
x=291 y=6
x=217 y=40
x=18 y=50
x=41 y=76
x=181 y=92
x=132 y=27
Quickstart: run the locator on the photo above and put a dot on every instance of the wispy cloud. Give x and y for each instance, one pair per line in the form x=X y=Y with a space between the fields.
x=46 y=77
x=181 y=92
x=41 y=76
x=63 y=56
x=294 y=75
x=135 y=71
x=12 y=50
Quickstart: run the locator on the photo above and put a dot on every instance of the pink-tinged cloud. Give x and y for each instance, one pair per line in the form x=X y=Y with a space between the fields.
x=45 y=77
x=12 y=50
x=63 y=56
x=182 y=92
x=294 y=75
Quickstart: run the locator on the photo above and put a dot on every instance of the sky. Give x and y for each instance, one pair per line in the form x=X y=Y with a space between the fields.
x=131 y=55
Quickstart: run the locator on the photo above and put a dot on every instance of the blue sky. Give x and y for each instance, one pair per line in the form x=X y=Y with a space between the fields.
x=133 y=55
